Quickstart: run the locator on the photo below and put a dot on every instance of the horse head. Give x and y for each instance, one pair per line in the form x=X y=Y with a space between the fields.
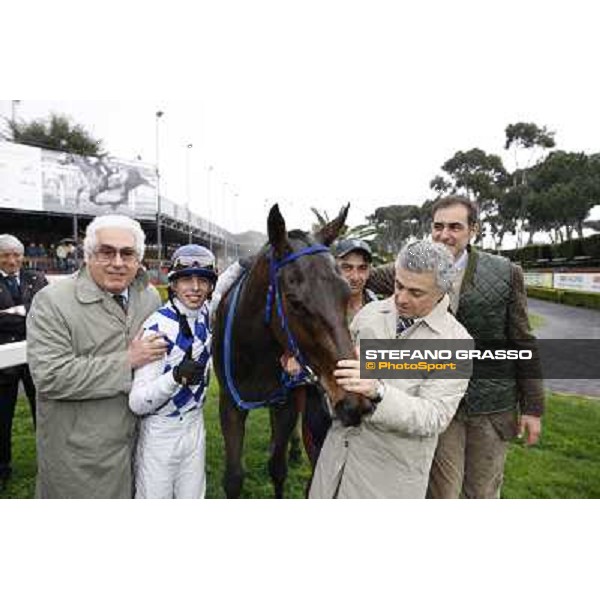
x=314 y=298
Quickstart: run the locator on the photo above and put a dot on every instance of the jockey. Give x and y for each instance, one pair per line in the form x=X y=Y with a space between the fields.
x=169 y=393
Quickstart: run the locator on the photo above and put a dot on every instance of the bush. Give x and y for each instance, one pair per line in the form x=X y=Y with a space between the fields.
x=567 y=297
x=162 y=290
x=569 y=249
x=541 y=293
x=586 y=299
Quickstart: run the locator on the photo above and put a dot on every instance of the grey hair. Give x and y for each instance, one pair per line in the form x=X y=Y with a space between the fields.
x=113 y=222
x=422 y=256
x=10 y=242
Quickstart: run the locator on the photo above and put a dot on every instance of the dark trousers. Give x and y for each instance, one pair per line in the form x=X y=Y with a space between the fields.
x=9 y=389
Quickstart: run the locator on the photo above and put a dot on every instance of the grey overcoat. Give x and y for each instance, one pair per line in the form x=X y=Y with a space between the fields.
x=77 y=339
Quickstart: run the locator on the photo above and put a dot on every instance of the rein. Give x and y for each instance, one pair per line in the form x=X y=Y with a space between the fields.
x=273 y=297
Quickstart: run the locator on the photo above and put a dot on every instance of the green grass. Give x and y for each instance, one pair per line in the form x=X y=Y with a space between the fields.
x=536 y=321
x=565 y=464
x=256 y=485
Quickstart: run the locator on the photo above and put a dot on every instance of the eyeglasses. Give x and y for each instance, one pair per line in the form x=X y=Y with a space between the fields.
x=107 y=254
x=192 y=261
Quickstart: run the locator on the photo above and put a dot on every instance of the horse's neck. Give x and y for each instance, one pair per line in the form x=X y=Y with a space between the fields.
x=257 y=350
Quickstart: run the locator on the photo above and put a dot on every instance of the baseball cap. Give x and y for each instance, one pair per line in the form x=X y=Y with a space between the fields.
x=344 y=247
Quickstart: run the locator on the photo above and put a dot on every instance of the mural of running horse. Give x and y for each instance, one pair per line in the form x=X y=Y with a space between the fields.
x=291 y=300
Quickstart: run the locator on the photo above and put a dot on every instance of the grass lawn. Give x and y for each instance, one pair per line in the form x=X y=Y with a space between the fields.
x=566 y=463
x=535 y=321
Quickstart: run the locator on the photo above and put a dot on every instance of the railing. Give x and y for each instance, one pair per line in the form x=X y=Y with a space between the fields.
x=13 y=354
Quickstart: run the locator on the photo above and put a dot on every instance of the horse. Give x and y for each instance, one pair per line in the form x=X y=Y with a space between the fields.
x=291 y=300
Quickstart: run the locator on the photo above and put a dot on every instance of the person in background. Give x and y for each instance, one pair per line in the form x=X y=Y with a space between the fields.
x=354 y=258
x=18 y=286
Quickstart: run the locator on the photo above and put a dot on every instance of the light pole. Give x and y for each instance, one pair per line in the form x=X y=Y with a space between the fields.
x=234 y=222
x=208 y=202
x=223 y=227
x=14 y=105
x=188 y=190
x=159 y=114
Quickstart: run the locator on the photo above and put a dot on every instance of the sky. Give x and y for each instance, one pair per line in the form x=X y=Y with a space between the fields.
x=310 y=104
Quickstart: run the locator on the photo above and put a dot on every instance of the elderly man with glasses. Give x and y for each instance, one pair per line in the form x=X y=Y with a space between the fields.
x=84 y=342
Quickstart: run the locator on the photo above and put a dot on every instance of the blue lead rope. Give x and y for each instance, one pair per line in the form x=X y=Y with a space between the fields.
x=273 y=295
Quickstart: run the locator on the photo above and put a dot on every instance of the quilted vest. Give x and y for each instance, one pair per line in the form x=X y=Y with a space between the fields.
x=483 y=310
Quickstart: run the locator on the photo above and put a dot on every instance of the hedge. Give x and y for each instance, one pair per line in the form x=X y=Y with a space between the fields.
x=567 y=297
x=589 y=246
x=162 y=290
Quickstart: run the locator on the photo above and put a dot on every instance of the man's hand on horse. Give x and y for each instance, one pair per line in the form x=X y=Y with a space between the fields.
x=289 y=364
x=347 y=375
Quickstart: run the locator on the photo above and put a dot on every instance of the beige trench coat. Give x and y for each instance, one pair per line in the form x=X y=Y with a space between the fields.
x=389 y=455
x=77 y=339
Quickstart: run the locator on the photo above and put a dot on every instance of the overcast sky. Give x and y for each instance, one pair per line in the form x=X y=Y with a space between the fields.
x=309 y=103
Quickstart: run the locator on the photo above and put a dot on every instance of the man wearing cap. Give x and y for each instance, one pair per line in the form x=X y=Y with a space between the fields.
x=83 y=343
x=169 y=393
x=18 y=286
x=354 y=258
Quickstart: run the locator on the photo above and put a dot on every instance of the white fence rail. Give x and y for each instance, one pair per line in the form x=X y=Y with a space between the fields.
x=13 y=354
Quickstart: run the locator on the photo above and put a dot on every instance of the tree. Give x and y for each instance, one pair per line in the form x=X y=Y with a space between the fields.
x=476 y=174
x=535 y=140
x=564 y=188
x=57 y=132
x=528 y=136
x=395 y=225
x=481 y=177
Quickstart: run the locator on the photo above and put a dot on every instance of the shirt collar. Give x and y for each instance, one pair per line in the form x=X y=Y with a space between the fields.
x=461 y=262
x=184 y=310
x=435 y=319
x=4 y=274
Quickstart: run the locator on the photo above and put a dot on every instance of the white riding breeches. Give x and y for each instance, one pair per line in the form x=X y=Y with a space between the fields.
x=170 y=457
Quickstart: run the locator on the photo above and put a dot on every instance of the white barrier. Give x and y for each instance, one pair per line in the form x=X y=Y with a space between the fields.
x=13 y=354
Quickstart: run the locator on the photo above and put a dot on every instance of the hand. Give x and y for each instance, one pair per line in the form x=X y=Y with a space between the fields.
x=188 y=372
x=142 y=351
x=290 y=365
x=533 y=426
x=347 y=375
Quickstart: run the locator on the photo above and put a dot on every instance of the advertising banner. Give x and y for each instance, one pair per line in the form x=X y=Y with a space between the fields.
x=538 y=279
x=37 y=179
x=20 y=177
x=582 y=282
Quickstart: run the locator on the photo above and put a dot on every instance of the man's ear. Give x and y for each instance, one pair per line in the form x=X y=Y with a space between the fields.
x=475 y=230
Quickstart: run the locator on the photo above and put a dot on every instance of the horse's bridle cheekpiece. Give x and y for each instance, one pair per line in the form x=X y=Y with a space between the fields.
x=273 y=296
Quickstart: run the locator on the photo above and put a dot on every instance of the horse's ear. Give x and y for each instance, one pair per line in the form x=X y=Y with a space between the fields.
x=331 y=230
x=277 y=231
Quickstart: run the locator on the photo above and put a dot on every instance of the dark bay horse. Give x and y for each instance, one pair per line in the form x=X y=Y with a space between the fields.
x=292 y=299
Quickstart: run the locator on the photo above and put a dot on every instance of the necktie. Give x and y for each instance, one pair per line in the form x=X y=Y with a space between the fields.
x=121 y=301
x=13 y=288
x=402 y=325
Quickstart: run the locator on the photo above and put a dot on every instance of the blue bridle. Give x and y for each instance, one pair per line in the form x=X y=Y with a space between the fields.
x=273 y=296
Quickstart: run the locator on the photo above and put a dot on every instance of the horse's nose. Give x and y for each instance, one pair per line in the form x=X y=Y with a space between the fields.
x=351 y=409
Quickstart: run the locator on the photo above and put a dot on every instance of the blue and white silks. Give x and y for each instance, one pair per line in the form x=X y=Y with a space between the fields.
x=165 y=397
